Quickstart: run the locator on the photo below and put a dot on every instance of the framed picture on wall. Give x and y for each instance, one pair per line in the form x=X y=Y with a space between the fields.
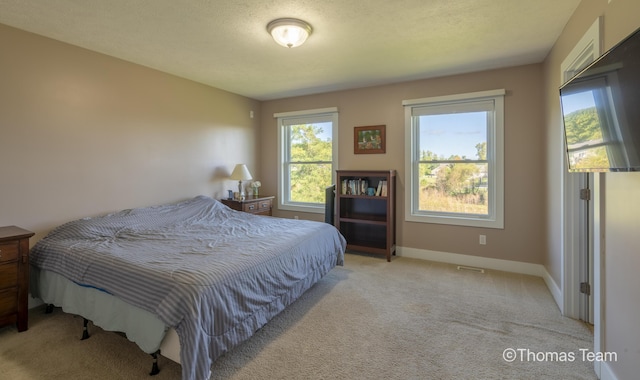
x=369 y=140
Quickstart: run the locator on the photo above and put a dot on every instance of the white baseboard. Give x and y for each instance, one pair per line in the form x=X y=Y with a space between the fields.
x=487 y=263
x=606 y=373
x=34 y=302
x=473 y=261
x=553 y=288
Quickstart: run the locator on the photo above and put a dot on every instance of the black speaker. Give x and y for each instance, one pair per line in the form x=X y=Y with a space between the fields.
x=330 y=204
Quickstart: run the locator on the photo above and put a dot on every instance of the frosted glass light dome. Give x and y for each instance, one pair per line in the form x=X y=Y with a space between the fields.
x=289 y=32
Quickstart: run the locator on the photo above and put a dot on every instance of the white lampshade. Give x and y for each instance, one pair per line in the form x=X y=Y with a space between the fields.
x=241 y=173
x=289 y=32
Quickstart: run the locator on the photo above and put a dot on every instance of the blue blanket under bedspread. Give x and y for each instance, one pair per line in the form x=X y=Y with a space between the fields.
x=214 y=274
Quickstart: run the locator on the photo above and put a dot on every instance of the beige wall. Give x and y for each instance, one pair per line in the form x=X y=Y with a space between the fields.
x=523 y=235
x=621 y=220
x=82 y=134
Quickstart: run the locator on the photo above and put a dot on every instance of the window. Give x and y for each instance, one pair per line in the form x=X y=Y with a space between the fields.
x=454 y=159
x=308 y=158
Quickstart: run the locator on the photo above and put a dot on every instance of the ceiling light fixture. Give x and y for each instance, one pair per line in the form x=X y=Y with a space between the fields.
x=289 y=32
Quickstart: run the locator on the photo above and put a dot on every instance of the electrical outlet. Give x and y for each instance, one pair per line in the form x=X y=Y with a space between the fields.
x=295 y=217
x=483 y=239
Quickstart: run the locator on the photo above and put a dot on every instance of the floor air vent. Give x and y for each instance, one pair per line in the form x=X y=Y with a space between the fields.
x=472 y=269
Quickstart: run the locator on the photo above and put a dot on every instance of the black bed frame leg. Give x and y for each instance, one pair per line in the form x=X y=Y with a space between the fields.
x=85 y=331
x=154 y=367
x=49 y=308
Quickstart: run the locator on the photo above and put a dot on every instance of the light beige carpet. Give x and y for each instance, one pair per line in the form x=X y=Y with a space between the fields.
x=408 y=319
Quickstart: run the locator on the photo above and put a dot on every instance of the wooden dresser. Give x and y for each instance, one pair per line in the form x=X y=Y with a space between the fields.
x=14 y=276
x=258 y=205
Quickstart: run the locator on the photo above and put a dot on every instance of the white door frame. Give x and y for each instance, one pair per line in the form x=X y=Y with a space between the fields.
x=587 y=49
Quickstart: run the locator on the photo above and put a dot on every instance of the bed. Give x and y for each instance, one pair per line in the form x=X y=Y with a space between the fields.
x=195 y=270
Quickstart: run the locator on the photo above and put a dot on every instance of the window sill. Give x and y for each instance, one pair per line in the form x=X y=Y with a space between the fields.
x=319 y=209
x=456 y=221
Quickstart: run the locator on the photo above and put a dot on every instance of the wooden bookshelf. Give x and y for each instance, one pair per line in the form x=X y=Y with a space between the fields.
x=365 y=217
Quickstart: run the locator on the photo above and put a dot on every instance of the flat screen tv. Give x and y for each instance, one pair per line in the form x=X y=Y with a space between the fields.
x=601 y=111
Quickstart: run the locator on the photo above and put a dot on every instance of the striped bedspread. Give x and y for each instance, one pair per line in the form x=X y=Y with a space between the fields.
x=214 y=274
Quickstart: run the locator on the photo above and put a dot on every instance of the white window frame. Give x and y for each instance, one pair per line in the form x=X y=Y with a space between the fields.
x=314 y=115
x=495 y=158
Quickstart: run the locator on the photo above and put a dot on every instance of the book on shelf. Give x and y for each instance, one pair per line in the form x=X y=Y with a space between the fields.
x=381 y=191
x=359 y=186
x=354 y=186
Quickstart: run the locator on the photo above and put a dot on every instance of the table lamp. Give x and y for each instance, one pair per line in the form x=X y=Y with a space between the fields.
x=241 y=173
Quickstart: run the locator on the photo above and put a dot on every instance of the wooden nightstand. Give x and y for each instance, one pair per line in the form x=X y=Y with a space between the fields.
x=14 y=276
x=259 y=205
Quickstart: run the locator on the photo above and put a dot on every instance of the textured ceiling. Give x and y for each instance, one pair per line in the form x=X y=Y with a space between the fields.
x=355 y=43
